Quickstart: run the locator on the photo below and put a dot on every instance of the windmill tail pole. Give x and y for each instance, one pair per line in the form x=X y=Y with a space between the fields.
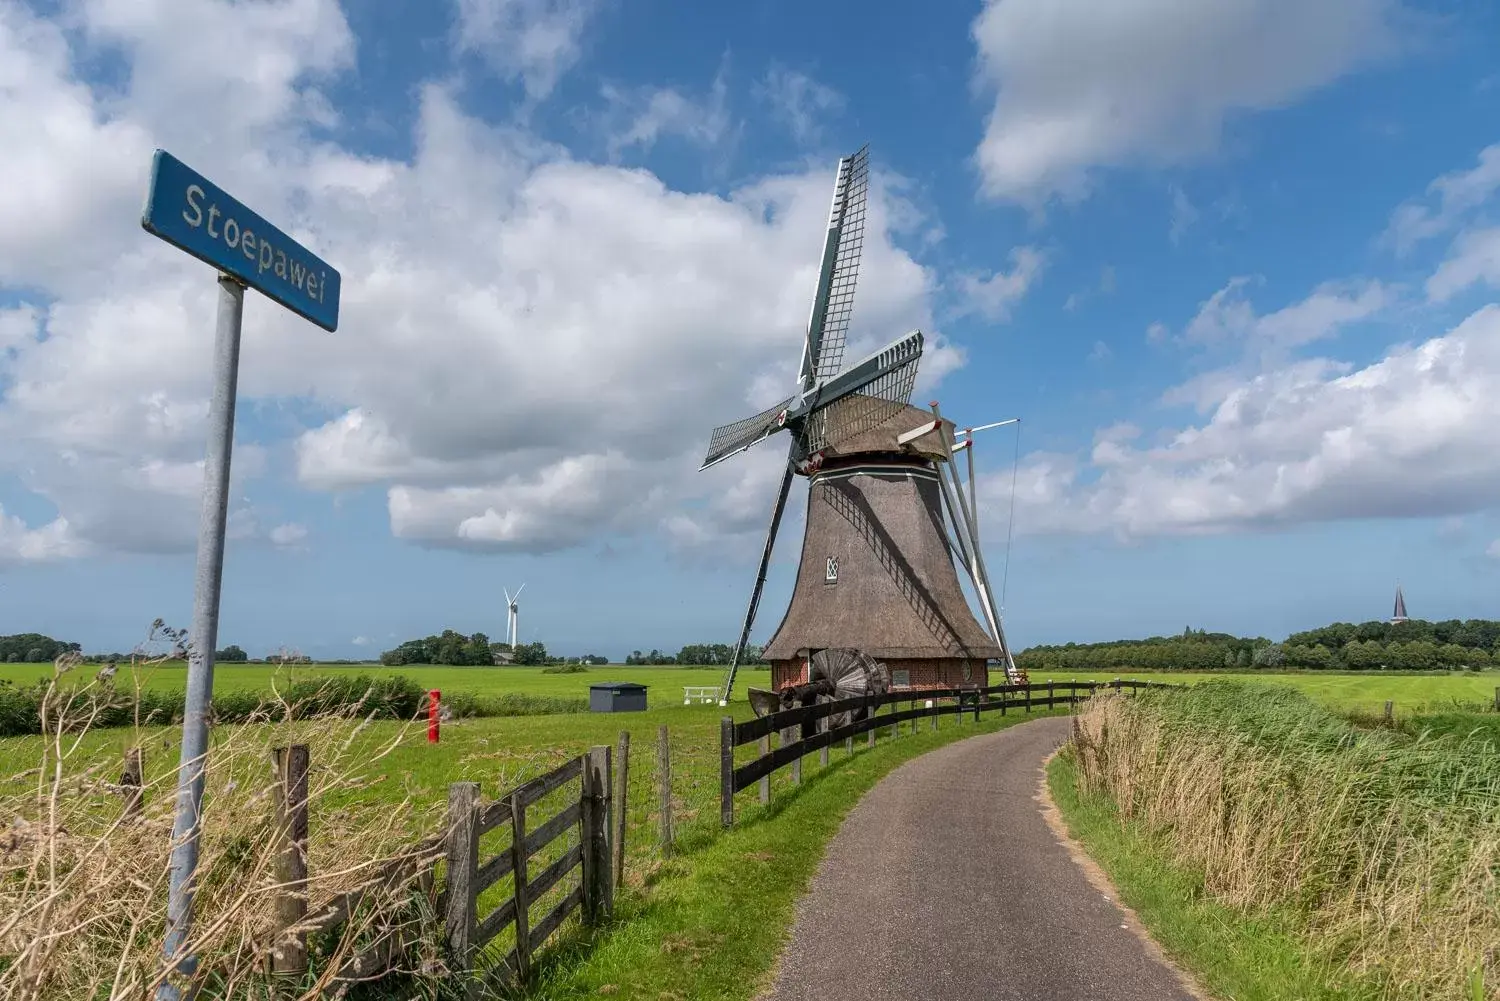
x=760 y=582
x=981 y=574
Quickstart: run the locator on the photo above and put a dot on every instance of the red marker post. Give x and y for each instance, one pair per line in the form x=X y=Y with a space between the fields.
x=432 y=715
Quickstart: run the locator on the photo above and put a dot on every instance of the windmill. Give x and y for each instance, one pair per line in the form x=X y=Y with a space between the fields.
x=513 y=618
x=841 y=425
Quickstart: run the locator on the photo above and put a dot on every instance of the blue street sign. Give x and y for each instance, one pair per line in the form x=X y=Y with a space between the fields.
x=190 y=212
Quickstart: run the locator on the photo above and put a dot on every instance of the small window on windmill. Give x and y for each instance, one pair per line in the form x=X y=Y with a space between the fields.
x=831 y=571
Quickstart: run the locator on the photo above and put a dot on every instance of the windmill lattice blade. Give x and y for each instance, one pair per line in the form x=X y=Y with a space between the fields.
x=871 y=401
x=731 y=438
x=845 y=267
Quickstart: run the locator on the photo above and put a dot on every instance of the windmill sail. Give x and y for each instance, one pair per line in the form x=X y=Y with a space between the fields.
x=833 y=305
x=866 y=396
x=732 y=438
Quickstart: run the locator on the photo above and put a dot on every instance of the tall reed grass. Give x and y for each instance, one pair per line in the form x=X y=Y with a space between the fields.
x=1384 y=844
x=83 y=880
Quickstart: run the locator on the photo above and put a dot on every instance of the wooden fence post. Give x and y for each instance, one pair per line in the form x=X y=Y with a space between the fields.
x=522 y=890
x=823 y=751
x=726 y=771
x=597 y=902
x=1028 y=698
x=797 y=768
x=132 y=778
x=1050 y=703
x=622 y=808
x=290 y=955
x=1389 y=705
x=664 y=782
x=463 y=861
x=765 y=780
x=1497 y=698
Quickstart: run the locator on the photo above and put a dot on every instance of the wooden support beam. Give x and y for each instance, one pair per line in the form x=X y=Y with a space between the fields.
x=289 y=955
x=664 y=788
x=463 y=863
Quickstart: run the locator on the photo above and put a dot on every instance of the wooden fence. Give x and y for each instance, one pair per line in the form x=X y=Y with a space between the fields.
x=467 y=875
x=812 y=733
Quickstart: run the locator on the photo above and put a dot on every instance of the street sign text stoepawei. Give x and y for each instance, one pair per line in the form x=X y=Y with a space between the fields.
x=192 y=213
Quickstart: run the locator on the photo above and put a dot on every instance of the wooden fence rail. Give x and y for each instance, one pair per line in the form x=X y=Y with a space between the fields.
x=805 y=729
x=467 y=875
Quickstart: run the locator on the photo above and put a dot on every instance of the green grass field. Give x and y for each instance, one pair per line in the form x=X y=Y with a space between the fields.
x=665 y=683
x=1365 y=692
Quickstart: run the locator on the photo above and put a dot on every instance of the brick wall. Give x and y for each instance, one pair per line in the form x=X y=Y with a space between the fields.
x=924 y=674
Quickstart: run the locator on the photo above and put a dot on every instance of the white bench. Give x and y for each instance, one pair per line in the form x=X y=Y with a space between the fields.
x=699 y=694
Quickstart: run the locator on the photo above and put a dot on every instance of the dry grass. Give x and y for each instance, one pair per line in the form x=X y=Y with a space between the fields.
x=1386 y=846
x=83 y=879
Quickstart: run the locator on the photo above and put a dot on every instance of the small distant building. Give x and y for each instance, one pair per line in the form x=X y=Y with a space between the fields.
x=617 y=697
x=1399 y=615
x=503 y=658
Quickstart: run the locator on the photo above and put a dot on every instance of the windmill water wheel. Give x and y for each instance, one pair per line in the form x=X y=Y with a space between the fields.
x=833 y=674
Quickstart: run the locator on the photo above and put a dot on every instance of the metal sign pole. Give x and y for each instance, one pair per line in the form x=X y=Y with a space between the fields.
x=205 y=633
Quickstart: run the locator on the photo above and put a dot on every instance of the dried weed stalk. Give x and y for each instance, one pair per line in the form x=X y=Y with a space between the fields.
x=84 y=857
x=1384 y=845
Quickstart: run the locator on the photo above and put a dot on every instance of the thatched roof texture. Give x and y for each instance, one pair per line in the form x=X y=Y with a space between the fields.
x=896 y=592
x=884 y=437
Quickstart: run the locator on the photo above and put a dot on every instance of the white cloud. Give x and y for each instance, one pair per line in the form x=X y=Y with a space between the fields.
x=1184 y=214
x=531 y=349
x=534 y=41
x=641 y=116
x=22 y=544
x=1410 y=435
x=1493 y=550
x=799 y=102
x=1474 y=258
x=1080 y=85
x=1457 y=194
x=290 y=535
x=994 y=297
x=1228 y=316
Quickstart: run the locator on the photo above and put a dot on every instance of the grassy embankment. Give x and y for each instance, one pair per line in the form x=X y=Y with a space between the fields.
x=1280 y=852
x=696 y=924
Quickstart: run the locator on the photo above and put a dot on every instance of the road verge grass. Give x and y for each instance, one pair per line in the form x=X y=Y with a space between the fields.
x=1373 y=848
x=1232 y=954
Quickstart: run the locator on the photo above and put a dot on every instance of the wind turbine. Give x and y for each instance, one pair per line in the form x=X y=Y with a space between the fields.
x=513 y=620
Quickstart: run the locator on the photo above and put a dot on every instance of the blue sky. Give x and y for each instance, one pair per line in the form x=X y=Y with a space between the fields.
x=1230 y=263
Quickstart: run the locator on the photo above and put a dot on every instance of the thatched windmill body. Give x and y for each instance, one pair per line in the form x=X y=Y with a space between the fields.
x=877 y=572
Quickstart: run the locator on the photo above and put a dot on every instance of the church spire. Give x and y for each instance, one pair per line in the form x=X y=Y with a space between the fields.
x=1400 y=613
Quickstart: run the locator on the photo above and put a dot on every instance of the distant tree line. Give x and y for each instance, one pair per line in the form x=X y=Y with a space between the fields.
x=1414 y=645
x=697 y=653
x=454 y=648
x=33 y=648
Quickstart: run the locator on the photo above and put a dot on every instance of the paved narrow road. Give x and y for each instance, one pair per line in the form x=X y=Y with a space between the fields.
x=946 y=883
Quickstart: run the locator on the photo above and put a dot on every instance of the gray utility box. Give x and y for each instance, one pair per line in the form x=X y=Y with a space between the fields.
x=617 y=697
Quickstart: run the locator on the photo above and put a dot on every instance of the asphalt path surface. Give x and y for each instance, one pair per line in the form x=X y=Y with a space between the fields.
x=947 y=883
